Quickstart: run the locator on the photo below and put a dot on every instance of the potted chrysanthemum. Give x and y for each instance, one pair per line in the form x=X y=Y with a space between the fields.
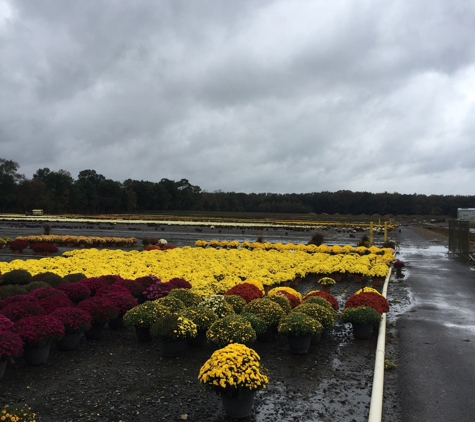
x=203 y=318
x=235 y=373
x=76 y=321
x=271 y=312
x=172 y=331
x=230 y=329
x=143 y=316
x=326 y=283
x=37 y=333
x=11 y=345
x=362 y=319
x=101 y=310
x=299 y=329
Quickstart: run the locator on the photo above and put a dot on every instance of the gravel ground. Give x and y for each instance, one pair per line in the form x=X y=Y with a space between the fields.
x=118 y=378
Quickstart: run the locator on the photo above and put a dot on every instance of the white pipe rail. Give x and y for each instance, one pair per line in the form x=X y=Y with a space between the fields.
x=376 y=406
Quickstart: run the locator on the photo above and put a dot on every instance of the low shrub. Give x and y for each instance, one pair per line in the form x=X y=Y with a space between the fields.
x=19 y=277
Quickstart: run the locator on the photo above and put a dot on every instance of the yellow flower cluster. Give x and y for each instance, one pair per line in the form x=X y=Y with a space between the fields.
x=17 y=413
x=234 y=368
x=87 y=240
x=210 y=271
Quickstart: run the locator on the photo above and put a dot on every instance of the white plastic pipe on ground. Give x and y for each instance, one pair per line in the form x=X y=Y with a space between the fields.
x=376 y=406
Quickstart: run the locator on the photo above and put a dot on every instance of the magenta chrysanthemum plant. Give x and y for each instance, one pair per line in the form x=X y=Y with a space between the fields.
x=44 y=292
x=180 y=283
x=18 y=310
x=158 y=290
x=5 y=323
x=75 y=320
x=122 y=301
x=11 y=344
x=100 y=308
x=75 y=291
x=49 y=304
x=134 y=287
x=39 y=330
x=113 y=289
x=94 y=284
x=17 y=298
x=147 y=281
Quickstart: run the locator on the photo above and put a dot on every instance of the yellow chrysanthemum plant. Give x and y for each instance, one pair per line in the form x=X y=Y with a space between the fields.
x=173 y=327
x=17 y=413
x=234 y=370
x=326 y=281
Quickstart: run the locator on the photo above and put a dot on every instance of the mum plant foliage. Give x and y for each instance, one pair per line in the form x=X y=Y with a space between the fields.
x=19 y=276
x=230 y=329
x=75 y=320
x=360 y=315
x=319 y=301
x=145 y=314
x=203 y=317
x=268 y=310
x=174 y=304
x=328 y=296
x=173 y=327
x=186 y=296
x=298 y=324
x=11 y=344
x=236 y=301
x=324 y=315
x=282 y=300
x=234 y=370
x=39 y=330
x=258 y=324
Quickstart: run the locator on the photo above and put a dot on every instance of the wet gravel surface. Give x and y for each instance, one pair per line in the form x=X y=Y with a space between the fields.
x=118 y=378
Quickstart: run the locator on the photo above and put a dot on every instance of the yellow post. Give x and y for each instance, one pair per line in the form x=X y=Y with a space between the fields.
x=385 y=231
x=370 y=233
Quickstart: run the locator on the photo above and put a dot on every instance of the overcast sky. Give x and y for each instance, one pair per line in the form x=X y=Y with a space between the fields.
x=287 y=96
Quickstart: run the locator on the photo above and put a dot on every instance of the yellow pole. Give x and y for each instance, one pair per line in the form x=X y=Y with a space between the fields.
x=385 y=231
x=370 y=233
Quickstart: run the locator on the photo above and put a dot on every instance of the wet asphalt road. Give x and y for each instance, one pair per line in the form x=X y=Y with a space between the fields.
x=437 y=335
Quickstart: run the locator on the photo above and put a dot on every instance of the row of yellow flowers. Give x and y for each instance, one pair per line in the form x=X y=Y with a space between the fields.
x=328 y=249
x=77 y=240
x=210 y=271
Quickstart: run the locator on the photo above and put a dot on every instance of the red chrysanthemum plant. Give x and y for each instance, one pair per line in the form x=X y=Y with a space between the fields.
x=374 y=300
x=247 y=291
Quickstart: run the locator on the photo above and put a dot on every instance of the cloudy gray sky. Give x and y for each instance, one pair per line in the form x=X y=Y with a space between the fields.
x=286 y=96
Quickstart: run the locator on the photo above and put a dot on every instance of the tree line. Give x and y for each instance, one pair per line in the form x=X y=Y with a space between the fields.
x=57 y=192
